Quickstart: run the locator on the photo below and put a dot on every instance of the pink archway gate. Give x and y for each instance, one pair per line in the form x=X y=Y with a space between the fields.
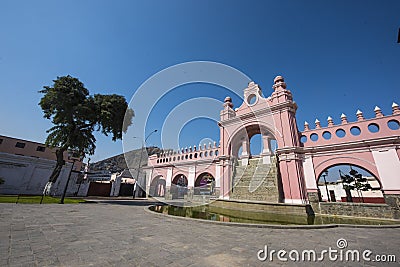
x=302 y=155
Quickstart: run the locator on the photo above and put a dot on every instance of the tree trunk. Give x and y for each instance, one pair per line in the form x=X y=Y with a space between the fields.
x=349 y=198
x=57 y=170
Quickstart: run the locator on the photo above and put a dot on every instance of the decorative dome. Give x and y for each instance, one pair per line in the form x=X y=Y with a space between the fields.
x=279 y=83
x=228 y=102
x=279 y=79
x=228 y=99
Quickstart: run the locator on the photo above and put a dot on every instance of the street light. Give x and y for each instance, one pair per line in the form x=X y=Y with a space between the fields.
x=326 y=186
x=140 y=161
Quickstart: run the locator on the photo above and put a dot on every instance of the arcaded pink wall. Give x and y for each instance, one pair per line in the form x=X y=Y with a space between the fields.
x=351 y=149
x=384 y=132
x=362 y=159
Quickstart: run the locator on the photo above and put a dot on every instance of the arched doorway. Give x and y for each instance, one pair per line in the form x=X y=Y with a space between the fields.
x=157 y=187
x=349 y=183
x=204 y=184
x=179 y=186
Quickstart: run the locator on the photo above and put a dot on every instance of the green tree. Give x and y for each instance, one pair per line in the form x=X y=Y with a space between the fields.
x=354 y=181
x=76 y=115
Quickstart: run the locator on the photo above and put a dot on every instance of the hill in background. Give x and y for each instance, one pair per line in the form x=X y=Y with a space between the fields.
x=118 y=163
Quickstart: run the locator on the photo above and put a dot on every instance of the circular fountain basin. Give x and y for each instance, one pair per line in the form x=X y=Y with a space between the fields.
x=210 y=213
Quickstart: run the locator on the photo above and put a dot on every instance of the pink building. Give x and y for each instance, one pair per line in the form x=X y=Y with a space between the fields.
x=289 y=174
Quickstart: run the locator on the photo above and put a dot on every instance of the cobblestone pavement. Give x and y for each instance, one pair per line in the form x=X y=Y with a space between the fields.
x=122 y=233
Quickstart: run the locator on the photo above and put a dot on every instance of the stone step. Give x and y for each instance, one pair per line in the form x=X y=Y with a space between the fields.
x=260 y=178
x=256 y=181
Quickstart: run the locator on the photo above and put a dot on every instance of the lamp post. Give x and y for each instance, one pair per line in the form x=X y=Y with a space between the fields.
x=140 y=161
x=326 y=186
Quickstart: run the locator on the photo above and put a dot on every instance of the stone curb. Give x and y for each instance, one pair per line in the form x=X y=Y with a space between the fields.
x=272 y=226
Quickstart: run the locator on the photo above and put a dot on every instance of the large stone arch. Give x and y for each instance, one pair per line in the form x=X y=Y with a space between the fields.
x=323 y=164
x=240 y=137
x=179 y=185
x=204 y=184
x=159 y=172
x=333 y=191
x=242 y=128
x=157 y=186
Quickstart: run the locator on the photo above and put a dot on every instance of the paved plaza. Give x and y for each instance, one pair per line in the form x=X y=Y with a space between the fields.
x=122 y=233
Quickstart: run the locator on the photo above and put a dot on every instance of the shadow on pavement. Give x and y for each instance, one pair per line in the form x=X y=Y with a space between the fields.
x=126 y=202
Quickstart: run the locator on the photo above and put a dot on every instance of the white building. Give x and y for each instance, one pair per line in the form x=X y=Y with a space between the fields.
x=338 y=194
x=26 y=166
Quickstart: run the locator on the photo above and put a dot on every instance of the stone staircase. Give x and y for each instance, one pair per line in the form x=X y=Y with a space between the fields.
x=256 y=181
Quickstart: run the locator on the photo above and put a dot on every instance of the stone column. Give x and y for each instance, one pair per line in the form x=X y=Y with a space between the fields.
x=191 y=180
x=168 y=182
x=245 y=152
x=266 y=145
x=266 y=152
x=149 y=174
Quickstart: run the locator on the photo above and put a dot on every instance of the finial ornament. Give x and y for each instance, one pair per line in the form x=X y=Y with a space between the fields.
x=317 y=124
x=344 y=118
x=395 y=108
x=279 y=83
x=360 y=116
x=330 y=121
x=378 y=112
x=306 y=126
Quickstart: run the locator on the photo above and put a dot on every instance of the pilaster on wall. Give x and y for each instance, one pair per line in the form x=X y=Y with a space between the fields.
x=290 y=160
x=388 y=165
x=168 y=181
x=226 y=184
x=309 y=174
x=290 y=165
x=192 y=176
x=218 y=175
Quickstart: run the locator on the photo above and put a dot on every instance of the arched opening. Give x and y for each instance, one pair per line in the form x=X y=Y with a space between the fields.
x=256 y=145
x=179 y=186
x=157 y=187
x=204 y=184
x=349 y=183
x=253 y=141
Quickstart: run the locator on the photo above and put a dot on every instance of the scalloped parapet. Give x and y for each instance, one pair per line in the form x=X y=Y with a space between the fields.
x=378 y=128
x=205 y=152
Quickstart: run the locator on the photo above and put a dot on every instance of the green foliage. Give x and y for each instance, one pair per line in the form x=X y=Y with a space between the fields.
x=110 y=107
x=354 y=181
x=76 y=115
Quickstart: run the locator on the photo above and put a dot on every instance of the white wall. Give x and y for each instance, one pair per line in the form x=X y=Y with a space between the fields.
x=29 y=175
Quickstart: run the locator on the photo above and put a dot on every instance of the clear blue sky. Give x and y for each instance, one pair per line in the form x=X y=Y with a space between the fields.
x=336 y=56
